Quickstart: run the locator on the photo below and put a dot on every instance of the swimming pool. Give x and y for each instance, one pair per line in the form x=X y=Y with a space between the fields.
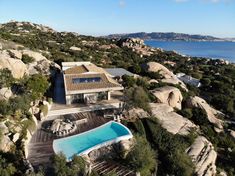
x=109 y=133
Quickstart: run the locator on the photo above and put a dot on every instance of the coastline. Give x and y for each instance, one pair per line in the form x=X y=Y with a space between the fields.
x=222 y=50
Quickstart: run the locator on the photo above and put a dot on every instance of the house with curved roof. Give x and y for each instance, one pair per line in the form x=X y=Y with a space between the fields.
x=84 y=82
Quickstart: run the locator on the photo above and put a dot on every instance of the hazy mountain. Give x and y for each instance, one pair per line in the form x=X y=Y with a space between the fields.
x=169 y=36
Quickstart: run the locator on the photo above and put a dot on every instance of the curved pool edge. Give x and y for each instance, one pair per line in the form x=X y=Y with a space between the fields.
x=103 y=144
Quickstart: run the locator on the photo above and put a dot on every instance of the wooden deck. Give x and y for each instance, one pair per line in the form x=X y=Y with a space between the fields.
x=40 y=147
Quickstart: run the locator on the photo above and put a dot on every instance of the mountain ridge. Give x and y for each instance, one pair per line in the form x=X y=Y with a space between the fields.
x=169 y=36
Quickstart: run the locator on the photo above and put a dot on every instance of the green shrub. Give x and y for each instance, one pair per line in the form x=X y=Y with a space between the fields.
x=37 y=85
x=142 y=158
x=128 y=81
x=63 y=168
x=50 y=100
x=205 y=81
x=6 y=168
x=27 y=59
x=137 y=97
x=6 y=78
x=29 y=124
x=186 y=113
x=44 y=109
x=171 y=149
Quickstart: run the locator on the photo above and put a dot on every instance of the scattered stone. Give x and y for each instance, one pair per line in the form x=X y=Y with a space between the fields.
x=16 y=137
x=3 y=128
x=5 y=143
x=153 y=81
x=107 y=47
x=5 y=93
x=222 y=173
x=232 y=133
x=74 y=48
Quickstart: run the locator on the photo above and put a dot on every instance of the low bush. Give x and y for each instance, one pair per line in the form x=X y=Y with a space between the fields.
x=27 y=59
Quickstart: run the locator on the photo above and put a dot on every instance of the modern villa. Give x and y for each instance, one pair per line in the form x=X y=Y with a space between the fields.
x=82 y=130
x=85 y=82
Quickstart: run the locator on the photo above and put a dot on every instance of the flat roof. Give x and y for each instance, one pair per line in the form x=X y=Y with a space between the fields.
x=103 y=82
x=118 y=72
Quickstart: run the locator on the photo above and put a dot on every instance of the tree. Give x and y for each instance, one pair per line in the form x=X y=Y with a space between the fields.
x=187 y=112
x=59 y=165
x=137 y=97
x=63 y=168
x=135 y=69
x=142 y=157
x=205 y=81
x=199 y=116
x=37 y=85
x=6 y=169
x=171 y=149
x=142 y=82
x=78 y=165
x=128 y=81
x=6 y=78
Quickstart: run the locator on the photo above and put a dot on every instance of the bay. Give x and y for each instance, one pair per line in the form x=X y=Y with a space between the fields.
x=212 y=49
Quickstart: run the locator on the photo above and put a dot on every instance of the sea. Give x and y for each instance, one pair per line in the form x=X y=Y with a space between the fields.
x=214 y=50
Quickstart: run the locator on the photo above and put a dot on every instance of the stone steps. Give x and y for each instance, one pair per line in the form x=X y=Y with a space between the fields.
x=104 y=167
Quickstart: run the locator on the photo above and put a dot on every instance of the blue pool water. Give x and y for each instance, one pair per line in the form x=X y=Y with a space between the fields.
x=218 y=50
x=96 y=138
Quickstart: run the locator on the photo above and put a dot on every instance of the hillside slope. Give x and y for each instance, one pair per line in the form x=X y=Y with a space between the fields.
x=201 y=138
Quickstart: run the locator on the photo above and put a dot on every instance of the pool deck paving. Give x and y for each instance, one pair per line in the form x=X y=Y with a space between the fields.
x=40 y=146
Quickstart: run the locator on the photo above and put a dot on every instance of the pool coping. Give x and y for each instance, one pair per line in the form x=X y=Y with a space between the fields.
x=106 y=143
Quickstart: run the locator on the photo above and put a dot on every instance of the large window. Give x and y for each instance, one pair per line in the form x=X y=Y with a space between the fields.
x=86 y=80
x=77 y=98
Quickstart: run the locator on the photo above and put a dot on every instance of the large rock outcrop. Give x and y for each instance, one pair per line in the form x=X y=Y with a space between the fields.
x=168 y=76
x=212 y=113
x=16 y=66
x=40 y=64
x=137 y=45
x=135 y=113
x=169 y=95
x=170 y=120
x=204 y=156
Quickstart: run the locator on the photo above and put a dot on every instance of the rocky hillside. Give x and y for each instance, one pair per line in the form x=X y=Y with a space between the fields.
x=186 y=130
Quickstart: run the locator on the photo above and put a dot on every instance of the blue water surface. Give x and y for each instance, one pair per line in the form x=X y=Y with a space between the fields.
x=217 y=50
x=80 y=143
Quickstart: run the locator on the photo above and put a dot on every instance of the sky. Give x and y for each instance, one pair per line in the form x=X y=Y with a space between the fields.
x=102 y=17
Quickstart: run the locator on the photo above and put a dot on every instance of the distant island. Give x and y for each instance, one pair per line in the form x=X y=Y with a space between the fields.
x=169 y=36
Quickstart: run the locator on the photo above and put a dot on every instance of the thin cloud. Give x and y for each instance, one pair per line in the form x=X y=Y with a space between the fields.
x=210 y=1
x=122 y=3
x=180 y=1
